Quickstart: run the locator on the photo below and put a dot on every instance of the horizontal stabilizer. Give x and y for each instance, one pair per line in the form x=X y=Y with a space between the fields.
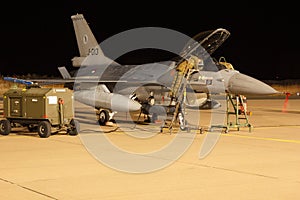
x=64 y=72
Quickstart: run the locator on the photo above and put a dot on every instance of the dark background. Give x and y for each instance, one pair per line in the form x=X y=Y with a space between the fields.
x=38 y=36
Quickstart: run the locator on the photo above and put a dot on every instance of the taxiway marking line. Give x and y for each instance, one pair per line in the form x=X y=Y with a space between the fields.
x=262 y=138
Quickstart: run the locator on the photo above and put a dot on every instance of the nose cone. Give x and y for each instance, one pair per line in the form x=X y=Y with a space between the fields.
x=246 y=85
x=124 y=104
x=133 y=105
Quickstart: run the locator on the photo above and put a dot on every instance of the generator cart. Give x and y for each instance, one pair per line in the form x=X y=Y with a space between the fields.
x=45 y=110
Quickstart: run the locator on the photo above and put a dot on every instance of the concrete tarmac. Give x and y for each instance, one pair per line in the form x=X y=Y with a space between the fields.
x=263 y=163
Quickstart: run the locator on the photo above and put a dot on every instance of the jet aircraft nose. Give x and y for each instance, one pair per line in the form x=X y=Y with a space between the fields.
x=122 y=103
x=133 y=105
x=245 y=85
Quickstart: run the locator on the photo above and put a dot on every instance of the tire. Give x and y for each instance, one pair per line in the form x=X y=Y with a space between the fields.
x=5 y=127
x=44 y=129
x=103 y=117
x=75 y=127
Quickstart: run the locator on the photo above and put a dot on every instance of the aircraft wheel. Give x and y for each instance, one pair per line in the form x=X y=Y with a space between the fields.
x=103 y=117
x=5 y=127
x=44 y=129
x=75 y=127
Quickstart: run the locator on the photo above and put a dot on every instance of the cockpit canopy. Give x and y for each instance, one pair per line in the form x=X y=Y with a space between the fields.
x=203 y=45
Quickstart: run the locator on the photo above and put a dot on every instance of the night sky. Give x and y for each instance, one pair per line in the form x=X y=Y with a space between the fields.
x=37 y=37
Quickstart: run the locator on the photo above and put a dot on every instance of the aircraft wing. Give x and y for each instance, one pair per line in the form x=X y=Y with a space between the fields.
x=38 y=81
x=56 y=81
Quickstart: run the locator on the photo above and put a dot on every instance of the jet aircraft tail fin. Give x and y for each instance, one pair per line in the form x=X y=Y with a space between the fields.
x=87 y=43
x=86 y=40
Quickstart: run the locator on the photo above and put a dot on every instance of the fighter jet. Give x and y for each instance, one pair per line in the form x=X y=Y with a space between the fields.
x=154 y=81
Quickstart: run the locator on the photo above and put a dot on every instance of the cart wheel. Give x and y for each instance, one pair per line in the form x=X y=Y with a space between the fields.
x=74 y=127
x=5 y=127
x=44 y=129
x=103 y=117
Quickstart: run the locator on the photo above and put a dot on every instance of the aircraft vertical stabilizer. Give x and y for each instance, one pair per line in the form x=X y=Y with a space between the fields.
x=85 y=38
x=87 y=43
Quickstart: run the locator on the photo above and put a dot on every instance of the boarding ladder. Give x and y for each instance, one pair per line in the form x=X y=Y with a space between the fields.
x=236 y=114
x=239 y=111
x=178 y=91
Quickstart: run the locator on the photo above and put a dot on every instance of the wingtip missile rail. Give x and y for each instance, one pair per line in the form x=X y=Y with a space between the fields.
x=16 y=80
